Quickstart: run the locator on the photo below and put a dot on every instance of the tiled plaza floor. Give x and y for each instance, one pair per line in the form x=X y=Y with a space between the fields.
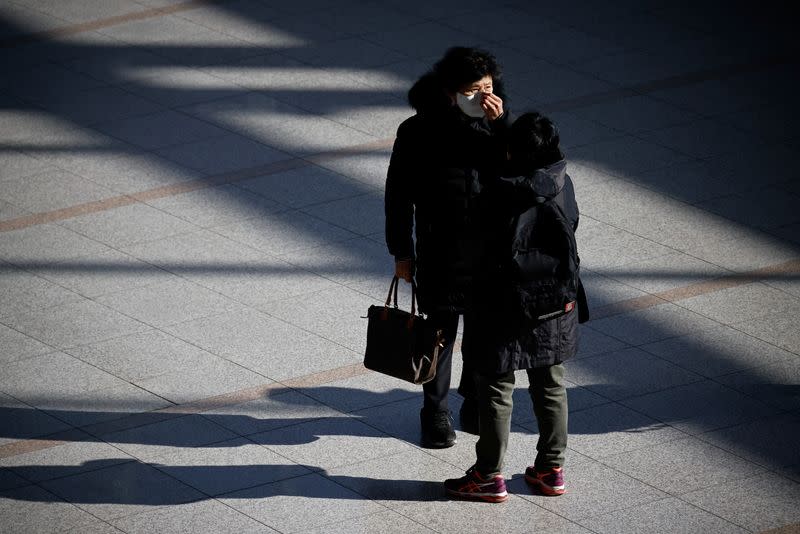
x=191 y=214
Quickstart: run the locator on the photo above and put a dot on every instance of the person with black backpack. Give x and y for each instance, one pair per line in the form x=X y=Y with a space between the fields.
x=528 y=301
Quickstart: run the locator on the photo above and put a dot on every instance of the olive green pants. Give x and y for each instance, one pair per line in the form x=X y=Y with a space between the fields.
x=549 y=398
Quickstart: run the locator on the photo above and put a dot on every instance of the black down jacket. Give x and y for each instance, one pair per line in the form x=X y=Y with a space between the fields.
x=496 y=341
x=432 y=187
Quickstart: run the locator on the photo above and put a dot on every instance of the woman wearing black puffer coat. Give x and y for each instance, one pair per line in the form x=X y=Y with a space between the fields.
x=432 y=189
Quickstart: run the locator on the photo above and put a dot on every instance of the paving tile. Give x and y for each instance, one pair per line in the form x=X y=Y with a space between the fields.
x=626 y=373
x=357 y=263
x=88 y=10
x=107 y=404
x=544 y=81
x=91 y=106
x=226 y=153
x=771 y=441
x=150 y=443
x=52 y=190
x=776 y=384
x=341 y=323
x=85 y=453
x=203 y=380
x=279 y=233
x=195 y=253
x=8 y=480
x=516 y=515
x=704 y=138
x=360 y=215
x=626 y=156
x=400 y=419
x=611 y=429
x=596 y=241
x=22 y=292
x=47 y=243
x=717 y=351
x=575 y=130
x=386 y=522
x=682 y=466
x=593 y=342
x=636 y=114
x=431 y=39
x=749 y=250
x=742 y=303
x=664 y=273
x=329 y=443
x=652 y=324
x=143 y=355
x=35 y=85
x=130 y=172
x=22 y=421
x=113 y=227
x=740 y=207
x=699 y=407
x=277 y=124
x=168 y=302
x=93 y=526
x=265 y=345
x=369 y=167
x=668 y=515
x=691 y=181
x=757 y=504
x=165 y=82
x=362 y=391
x=256 y=28
x=53 y=375
x=15 y=165
x=229 y=466
x=304 y=186
x=778 y=330
x=99 y=274
x=364 y=54
x=121 y=490
x=33 y=509
x=215 y=206
x=202 y=516
x=161 y=129
x=278 y=409
x=322 y=501
x=564 y=45
x=379 y=117
x=10 y=211
x=395 y=481
x=602 y=290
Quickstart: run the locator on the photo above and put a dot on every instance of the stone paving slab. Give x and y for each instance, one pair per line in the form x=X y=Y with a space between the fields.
x=191 y=232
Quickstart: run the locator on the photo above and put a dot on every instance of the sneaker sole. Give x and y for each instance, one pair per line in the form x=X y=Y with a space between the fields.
x=543 y=488
x=484 y=497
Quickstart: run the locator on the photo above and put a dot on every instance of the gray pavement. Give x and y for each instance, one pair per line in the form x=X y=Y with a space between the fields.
x=191 y=231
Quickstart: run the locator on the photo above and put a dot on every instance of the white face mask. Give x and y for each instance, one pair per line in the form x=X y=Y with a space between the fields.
x=471 y=105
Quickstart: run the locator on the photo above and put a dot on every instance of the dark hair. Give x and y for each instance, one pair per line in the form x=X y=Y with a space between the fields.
x=533 y=142
x=461 y=66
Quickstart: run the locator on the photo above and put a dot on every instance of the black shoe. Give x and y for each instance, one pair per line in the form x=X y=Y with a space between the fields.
x=437 y=429
x=468 y=417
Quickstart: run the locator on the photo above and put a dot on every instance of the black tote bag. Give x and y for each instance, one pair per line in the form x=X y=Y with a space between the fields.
x=402 y=344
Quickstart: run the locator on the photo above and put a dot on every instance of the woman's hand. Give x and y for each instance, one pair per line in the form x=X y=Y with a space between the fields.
x=404 y=269
x=492 y=105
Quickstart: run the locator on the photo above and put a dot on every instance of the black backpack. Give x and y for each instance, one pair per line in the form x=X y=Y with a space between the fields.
x=544 y=260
